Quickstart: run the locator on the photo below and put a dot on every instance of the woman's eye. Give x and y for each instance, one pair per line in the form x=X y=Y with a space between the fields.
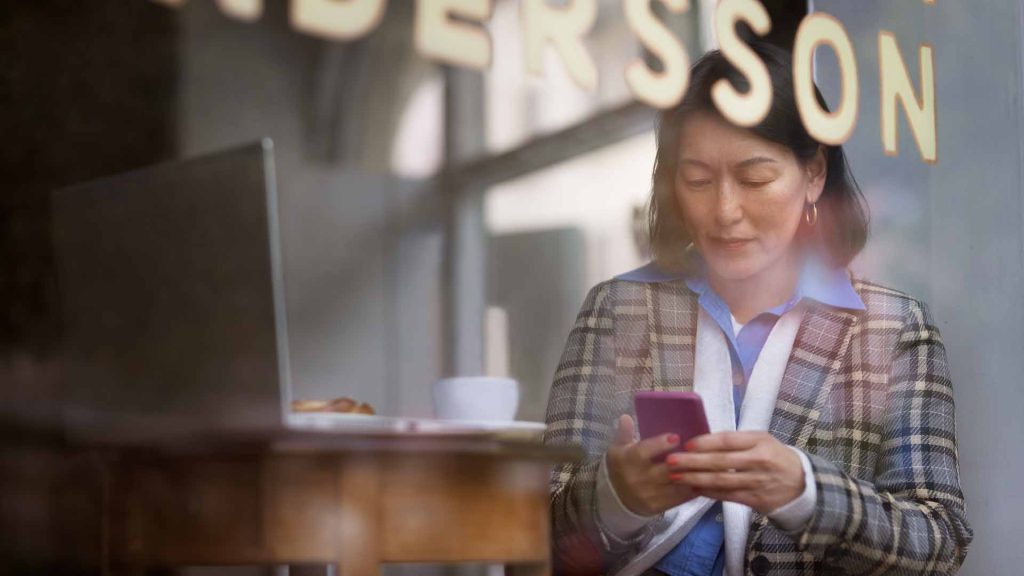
x=698 y=184
x=755 y=184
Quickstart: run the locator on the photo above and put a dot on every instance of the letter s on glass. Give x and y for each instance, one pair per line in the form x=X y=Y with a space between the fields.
x=750 y=108
x=659 y=89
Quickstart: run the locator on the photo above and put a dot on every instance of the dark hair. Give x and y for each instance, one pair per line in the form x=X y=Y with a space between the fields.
x=842 y=212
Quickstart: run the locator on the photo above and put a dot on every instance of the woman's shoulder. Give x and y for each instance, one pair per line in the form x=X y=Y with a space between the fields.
x=618 y=290
x=881 y=301
x=647 y=286
x=641 y=280
x=884 y=302
x=650 y=273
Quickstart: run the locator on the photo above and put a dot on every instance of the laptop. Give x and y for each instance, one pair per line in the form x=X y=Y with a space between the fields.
x=173 y=306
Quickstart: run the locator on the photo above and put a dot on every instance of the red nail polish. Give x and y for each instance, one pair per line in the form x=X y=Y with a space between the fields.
x=689 y=445
x=675 y=477
x=673 y=439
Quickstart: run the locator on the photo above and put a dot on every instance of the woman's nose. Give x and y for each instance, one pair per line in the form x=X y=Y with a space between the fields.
x=728 y=205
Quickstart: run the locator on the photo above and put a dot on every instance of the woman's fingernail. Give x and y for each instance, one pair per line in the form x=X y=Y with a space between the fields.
x=673 y=439
x=675 y=477
x=689 y=445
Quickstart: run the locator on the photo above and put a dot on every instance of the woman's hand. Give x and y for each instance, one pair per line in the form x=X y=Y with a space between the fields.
x=643 y=485
x=751 y=468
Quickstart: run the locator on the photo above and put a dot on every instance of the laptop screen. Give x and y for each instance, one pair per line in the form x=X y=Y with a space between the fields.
x=172 y=298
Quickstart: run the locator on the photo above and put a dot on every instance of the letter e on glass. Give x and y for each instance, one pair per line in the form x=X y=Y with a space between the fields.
x=438 y=37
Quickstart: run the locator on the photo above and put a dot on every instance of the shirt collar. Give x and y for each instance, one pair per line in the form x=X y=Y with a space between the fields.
x=828 y=285
x=818 y=281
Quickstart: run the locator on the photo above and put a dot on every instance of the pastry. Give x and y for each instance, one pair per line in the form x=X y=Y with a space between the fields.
x=342 y=405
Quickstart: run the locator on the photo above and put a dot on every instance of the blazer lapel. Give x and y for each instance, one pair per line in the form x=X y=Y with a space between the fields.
x=672 y=318
x=817 y=356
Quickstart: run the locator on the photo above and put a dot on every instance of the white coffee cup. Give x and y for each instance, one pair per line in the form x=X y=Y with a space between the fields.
x=476 y=398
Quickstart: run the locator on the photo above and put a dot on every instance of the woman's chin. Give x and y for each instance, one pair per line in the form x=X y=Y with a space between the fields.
x=735 y=270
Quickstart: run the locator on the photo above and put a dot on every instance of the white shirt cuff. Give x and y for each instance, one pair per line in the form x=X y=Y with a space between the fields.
x=613 y=514
x=795 y=514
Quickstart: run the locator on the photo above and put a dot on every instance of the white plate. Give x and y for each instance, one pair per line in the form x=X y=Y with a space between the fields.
x=366 y=423
x=512 y=426
x=336 y=421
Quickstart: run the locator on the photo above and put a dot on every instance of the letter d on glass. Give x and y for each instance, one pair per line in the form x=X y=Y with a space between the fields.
x=245 y=10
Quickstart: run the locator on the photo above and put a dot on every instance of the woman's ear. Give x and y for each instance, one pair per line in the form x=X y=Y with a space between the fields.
x=817 y=172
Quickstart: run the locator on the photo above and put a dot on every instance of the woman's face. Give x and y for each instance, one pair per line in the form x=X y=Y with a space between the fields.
x=742 y=197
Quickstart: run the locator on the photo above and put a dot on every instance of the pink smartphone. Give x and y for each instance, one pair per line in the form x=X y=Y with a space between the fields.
x=679 y=413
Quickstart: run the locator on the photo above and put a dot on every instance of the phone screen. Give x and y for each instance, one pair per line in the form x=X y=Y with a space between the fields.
x=680 y=413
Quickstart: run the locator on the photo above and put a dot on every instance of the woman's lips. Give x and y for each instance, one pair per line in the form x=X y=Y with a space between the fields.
x=732 y=244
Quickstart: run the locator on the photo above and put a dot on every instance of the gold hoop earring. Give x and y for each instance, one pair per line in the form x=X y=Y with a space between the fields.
x=811 y=216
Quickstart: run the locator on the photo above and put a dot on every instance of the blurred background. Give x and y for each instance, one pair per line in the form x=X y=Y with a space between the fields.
x=441 y=221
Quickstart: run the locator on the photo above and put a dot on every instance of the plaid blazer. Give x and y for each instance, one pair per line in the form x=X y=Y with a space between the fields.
x=866 y=395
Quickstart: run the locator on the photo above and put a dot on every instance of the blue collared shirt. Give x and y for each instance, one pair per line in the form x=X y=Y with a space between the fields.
x=702 y=552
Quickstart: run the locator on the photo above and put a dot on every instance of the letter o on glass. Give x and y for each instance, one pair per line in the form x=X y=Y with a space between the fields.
x=828 y=128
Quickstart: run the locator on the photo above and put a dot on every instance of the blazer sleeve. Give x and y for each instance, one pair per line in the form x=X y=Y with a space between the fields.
x=582 y=412
x=912 y=518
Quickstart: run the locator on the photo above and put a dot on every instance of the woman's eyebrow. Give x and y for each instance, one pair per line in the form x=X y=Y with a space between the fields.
x=755 y=160
x=744 y=164
x=693 y=162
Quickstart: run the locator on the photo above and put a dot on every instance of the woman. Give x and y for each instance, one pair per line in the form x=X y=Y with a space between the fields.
x=833 y=445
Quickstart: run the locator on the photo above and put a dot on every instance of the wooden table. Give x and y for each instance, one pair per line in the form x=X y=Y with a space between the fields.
x=351 y=501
